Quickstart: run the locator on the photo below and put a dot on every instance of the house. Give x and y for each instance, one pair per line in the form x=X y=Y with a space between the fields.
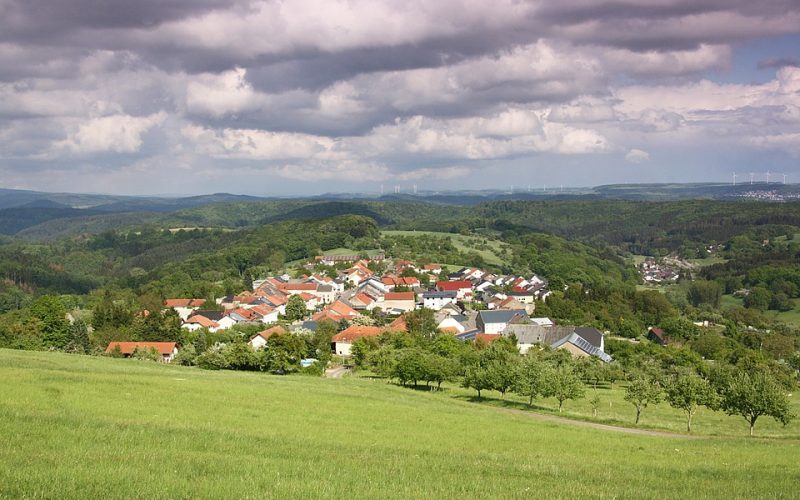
x=657 y=335
x=184 y=307
x=266 y=313
x=362 y=301
x=242 y=315
x=221 y=318
x=342 y=342
x=336 y=312
x=578 y=341
x=168 y=350
x=452 y=324
x=432 y=268
x=463 y=288
x=398 y=325
x=400 y=301
x=260 y=339
x=358 y=273
x=437 y=300
x=495 y=321
x=407 y=281
x=530 y=335
x=584 y=342
x=198 y=321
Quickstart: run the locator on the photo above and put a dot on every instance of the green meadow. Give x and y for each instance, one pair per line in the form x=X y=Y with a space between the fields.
x=88 y=427
x=490 y=251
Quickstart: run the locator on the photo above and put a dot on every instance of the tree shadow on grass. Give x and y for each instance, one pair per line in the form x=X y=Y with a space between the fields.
x=502 y=403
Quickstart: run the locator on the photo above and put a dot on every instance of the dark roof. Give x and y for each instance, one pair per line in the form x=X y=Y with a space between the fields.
x=325 y=288
x=584 y=345
x=501 y=316
x=591 y=335
x=310 y=325
x=538 y=334
x=212 y=315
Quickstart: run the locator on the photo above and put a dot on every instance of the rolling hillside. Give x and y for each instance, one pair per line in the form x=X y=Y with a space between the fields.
x=78 y=427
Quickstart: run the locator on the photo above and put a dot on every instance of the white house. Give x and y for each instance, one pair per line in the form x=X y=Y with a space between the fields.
x=437 y=300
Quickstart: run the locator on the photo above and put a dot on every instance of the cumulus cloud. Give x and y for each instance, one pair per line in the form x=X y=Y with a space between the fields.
x=354 y=91
x=115 y=133
x=637 y=156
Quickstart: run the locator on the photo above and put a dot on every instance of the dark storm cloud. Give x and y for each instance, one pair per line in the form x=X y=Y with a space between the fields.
x=43 y=21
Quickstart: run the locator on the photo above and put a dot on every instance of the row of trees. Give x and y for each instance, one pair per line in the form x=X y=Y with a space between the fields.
x=750 y=390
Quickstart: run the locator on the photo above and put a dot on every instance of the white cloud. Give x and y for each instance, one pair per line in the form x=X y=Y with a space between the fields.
x=637 y=156
x=115 y=133
x=249 y=144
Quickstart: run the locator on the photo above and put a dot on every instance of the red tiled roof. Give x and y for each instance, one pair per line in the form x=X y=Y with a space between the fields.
x=450 y=286
x=262 y=310
x=431 y=267
x=398 y=325
x=247 y=314
x=298 y=287
x=201 y=320
x=487 y=337
x=164 y=348
x=184 y=302
x=364 y=298
x=269 y=332
x=356 y=332
x=399 y=296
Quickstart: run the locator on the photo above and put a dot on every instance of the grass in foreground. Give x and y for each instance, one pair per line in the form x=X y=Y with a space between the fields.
x=94 y=427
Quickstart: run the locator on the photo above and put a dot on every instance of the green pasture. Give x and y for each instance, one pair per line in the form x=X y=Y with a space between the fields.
x=491 y=252
x=88 y=427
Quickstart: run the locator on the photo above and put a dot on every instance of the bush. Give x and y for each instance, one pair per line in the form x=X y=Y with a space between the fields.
x=213 y=359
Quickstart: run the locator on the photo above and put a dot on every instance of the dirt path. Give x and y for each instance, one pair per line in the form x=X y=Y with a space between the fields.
x=594 y=425
x=336 y=372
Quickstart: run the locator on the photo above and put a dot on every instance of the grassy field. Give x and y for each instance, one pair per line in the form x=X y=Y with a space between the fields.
x=791 y=318
x=85 y=427
x=614 y=410
x=490 y=253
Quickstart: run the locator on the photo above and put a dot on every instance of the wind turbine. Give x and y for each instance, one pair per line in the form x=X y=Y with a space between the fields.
x=784 y=178
x=767 y=176
x=734 y=178
x=751 y=178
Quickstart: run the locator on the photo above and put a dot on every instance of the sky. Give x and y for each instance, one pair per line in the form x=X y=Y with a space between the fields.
x=317 y=96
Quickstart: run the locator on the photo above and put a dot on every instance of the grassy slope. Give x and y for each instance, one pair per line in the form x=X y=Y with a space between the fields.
x=92 y=427
x=462 y=243
x=791 y=318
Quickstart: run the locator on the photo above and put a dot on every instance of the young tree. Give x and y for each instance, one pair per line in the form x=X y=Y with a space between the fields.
x=409 y=366
x=200 y=343
x=641 y=392
x=295 y=308
x=477 y=377
x=595 y=402
x=531 y=378
x=79 y=338
x=752 y=395
x=563 y=384
x=687 y=393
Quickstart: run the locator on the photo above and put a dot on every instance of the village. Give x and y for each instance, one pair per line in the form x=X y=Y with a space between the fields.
x=473 y=305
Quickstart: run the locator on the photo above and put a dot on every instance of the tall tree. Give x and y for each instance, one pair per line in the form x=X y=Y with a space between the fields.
x=296 y=308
